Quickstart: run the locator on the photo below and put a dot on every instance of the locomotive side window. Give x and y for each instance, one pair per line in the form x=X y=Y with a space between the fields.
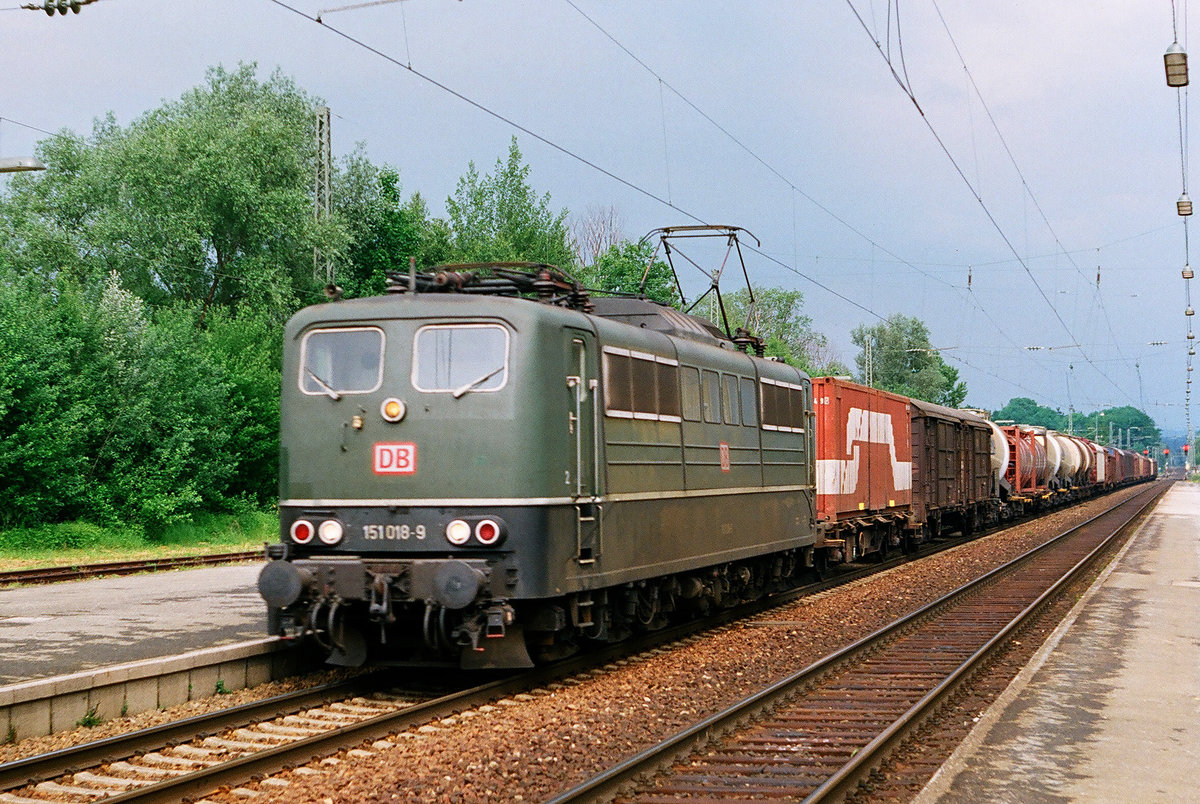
x=712 y=397
x=460 y=358
x=668 y=389
x=748 y=407
x=618 y=384
x=645 y=389
x=729 y=398
x=641 y=386
x=341 y=361
x=782 y=406
x=690 y=378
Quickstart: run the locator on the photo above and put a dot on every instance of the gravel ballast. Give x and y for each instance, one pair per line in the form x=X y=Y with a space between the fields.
x=528 y=748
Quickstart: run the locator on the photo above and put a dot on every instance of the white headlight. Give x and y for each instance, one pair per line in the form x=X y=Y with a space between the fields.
x=330 y=531
x=458 y=532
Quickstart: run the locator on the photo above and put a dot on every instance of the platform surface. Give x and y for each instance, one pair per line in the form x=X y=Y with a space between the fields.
x=1109 y=708
x=63 y=628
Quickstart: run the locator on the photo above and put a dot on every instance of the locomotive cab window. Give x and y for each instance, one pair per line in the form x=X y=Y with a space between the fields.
x=341 y=361
x=460 y=358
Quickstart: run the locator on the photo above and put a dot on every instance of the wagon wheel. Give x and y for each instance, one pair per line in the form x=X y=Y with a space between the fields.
x=647 y=605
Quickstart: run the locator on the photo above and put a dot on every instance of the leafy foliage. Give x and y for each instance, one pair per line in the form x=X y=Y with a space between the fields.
x=620 y=267
x=499 y=217
x=1024 y=410
x=385 y=232
x=777 y=316
x=203 y=200
x=111 y=414
x=903 y=361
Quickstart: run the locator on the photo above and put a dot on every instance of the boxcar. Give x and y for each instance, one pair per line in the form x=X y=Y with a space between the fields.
x=952 y=469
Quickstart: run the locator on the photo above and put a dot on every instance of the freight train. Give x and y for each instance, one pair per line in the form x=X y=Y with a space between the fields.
x=487 y=466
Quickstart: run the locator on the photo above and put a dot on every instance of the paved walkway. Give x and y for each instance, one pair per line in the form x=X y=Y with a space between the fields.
x=1109 y=709
x=66 y=627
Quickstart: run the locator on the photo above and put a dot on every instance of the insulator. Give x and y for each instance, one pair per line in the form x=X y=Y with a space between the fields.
x=1175 y=60
x=1189 y=310
x=1188 y=273
x=1184 y=205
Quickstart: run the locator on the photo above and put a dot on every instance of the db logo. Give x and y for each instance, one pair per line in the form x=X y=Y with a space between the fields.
x=395 y=459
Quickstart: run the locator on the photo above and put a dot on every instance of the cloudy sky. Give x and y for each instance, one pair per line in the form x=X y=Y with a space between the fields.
x=989 y=214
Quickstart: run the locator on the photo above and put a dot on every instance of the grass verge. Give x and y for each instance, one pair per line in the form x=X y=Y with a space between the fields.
x=74 y=543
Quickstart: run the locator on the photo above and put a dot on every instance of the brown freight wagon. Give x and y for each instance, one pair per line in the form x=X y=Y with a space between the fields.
x=952 y=469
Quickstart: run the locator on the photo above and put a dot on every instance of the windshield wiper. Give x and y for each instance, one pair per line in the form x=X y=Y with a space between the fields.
x=326 y=387
x=464 y=388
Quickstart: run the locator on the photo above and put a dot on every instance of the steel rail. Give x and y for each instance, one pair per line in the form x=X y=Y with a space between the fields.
x=21 y=772
x=72 y=573
x=848 y=777
x=618 y=779
x=45 y=767
x=48 y=766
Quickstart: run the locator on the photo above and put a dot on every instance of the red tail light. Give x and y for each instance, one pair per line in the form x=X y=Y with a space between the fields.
x=302 y=531
x=487 y=532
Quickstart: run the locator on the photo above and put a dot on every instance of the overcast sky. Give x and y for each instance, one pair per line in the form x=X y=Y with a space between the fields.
x=822 y=155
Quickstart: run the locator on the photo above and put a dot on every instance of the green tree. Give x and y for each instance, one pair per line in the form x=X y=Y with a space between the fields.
x=620 y=267
x=499 y=217
x=385 y=231
x=903 y=361
x=205 y=200
x=1120 y=425
x=1023 y=410
x=778 y=317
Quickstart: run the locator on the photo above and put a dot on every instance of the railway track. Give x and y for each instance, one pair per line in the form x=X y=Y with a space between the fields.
x=192 y=757
x=817 y=735
x=74 y=573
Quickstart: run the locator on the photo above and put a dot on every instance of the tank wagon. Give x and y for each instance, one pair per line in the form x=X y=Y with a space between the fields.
x=484 y=469
x=469 y=476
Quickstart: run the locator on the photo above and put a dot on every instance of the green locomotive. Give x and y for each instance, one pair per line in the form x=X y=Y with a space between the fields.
x=485 y=467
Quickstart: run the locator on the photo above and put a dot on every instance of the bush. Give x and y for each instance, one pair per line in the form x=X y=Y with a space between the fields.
x=111 y=415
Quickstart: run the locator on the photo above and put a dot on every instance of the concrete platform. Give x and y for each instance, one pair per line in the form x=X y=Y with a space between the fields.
x=65 y=628
x=1109 y=709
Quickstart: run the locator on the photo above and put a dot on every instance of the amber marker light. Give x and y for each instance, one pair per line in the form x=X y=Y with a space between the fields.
x=392 y=410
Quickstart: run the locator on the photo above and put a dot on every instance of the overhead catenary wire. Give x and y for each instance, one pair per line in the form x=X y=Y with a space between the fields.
x=589 y=163
x=979 y=199
x=1020 y=174
x=969 y=298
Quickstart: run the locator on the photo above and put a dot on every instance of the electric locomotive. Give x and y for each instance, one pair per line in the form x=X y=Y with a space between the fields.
x=484 y=467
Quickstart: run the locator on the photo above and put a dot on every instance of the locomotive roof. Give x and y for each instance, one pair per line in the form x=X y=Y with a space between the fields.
x=650 y=315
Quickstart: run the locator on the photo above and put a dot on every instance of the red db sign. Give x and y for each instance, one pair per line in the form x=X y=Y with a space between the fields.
x=395 y=459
